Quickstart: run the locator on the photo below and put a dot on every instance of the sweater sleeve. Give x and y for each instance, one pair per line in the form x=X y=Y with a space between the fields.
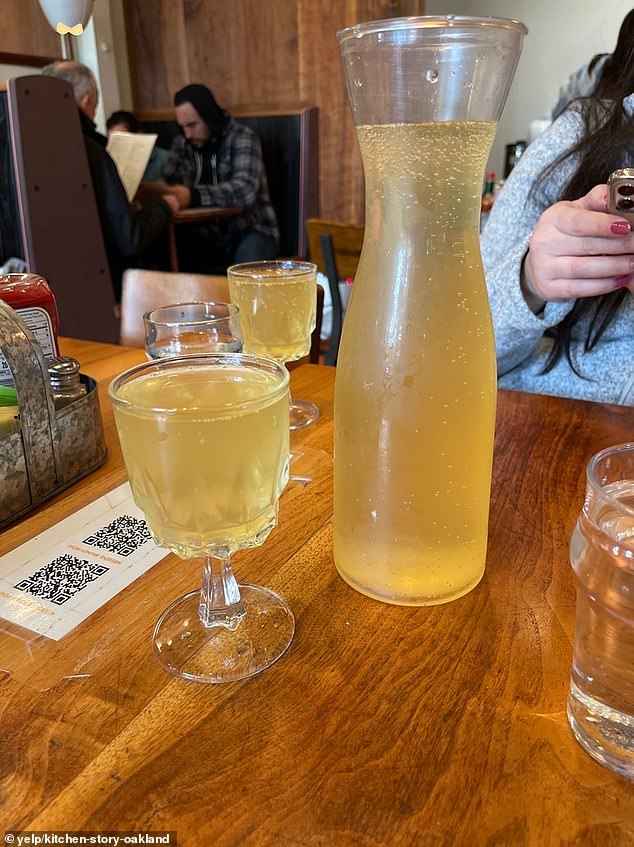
x=506 y=237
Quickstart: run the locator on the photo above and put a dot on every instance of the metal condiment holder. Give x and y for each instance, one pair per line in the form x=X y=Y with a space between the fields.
x=53 y=448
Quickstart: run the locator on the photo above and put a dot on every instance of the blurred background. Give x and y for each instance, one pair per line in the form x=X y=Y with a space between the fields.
x=274 y=53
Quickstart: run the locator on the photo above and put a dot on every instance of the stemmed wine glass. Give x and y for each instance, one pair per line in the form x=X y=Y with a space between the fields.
x=205 y=441
x=186 y=329
x=278 y=304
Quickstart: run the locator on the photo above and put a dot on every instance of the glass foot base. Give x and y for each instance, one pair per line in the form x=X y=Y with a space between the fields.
x=605 y=733
x=185 y=648
x=302 y=413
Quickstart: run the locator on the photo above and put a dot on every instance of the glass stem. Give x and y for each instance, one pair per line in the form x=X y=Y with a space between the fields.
x=290 y=396
x=220 y=602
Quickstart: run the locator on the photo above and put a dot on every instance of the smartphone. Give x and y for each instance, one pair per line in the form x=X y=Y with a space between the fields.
x=621 y=193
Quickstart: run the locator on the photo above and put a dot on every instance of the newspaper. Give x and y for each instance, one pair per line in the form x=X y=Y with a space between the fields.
x=131 y=153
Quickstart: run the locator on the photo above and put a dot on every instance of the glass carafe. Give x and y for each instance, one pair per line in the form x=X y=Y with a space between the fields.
x=416 y=375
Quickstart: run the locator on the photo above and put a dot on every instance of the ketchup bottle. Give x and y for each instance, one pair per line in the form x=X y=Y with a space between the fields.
x=32 y=298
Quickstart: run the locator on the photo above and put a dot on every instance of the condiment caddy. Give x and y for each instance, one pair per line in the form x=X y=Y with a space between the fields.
x=52 y=447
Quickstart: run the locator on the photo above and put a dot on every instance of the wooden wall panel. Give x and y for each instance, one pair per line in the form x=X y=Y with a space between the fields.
x=260 y=54
x=25 y=35
x=243 y=52
x=157 y=50
x=375 y=10
x=246 y=50
x=322 y=84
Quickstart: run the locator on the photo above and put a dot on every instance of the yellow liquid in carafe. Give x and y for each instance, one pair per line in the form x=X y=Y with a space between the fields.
x=205 y=476
x=416 y=377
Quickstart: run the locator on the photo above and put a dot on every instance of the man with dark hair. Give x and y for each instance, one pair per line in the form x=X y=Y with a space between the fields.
x=127 y=232
x=122 y=121
x=218 y=162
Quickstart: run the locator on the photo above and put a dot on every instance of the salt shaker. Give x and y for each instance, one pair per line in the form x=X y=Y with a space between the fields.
x=64 y=376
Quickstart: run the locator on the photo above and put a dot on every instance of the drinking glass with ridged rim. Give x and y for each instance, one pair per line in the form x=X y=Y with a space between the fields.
x=601 y=698
x=278 y=303
x=189 y=329
x=205 y=441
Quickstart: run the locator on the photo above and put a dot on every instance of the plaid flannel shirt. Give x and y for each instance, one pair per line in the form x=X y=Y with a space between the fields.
x=239 y=180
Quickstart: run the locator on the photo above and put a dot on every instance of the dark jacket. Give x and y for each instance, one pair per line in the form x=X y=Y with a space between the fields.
x=127 y=232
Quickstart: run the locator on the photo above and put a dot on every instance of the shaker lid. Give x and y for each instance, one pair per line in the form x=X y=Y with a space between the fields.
x=63 y=370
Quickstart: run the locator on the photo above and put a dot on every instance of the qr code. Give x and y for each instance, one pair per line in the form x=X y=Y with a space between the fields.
x=122 y=536
x=61 y=579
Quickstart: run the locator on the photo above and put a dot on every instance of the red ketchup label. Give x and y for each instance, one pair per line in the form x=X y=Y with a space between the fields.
x=31 y=297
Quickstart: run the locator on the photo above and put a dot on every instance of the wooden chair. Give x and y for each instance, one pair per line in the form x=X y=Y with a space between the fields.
x=144 y=290
x=335 y=248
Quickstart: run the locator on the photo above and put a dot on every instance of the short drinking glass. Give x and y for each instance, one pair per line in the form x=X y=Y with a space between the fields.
x=205 y=441
x=186 y=329
x=601 y=699
x=278 y=302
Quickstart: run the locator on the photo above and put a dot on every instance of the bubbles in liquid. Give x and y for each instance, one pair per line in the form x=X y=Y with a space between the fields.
x=431 y=75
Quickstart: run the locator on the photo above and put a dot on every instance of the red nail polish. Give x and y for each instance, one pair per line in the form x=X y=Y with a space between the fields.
x=620 y=227
x=622 y=281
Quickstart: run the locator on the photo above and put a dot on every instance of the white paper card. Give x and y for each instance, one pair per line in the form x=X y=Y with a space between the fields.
x=56 y=580
x=131 y=152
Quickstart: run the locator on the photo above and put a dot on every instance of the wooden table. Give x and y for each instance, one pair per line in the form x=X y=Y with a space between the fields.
x=382 y=725
x=194 y=216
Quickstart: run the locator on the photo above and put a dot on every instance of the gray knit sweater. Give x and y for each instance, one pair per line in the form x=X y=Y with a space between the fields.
x=607 y=371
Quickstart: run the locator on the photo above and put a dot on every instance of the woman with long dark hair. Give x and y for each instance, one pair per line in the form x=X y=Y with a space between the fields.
x=559 y=267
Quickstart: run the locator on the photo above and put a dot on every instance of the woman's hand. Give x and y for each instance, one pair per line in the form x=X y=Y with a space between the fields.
x=577 y=250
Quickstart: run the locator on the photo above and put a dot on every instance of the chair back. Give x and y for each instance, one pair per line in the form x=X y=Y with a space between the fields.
x=144 y=290
x=58 y=217
x=335 y=248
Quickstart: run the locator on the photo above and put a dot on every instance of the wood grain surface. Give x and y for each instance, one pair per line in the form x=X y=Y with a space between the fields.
x=26 y=36
x=382 y=725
